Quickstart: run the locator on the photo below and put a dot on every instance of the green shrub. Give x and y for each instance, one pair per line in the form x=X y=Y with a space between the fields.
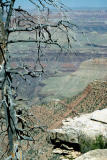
x=87 y=145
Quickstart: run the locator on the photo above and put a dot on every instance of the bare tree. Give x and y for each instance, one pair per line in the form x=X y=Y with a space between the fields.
x=43 y=30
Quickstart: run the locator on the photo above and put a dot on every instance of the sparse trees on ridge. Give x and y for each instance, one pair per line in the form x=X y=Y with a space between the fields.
x=25 y=22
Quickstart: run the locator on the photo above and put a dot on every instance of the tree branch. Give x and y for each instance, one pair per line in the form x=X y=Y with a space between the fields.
x=9 y=16
x=48 y=42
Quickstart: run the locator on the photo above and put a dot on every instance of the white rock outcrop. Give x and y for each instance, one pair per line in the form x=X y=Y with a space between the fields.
x=86 y=127
x=98 y=154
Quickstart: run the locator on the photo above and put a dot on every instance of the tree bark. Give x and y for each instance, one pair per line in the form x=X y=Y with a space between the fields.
x=5 y=86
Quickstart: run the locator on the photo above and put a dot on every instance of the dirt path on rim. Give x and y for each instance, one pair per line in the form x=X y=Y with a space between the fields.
x=71 y=107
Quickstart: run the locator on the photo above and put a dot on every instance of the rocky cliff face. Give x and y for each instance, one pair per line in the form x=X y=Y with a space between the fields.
x=84 y=133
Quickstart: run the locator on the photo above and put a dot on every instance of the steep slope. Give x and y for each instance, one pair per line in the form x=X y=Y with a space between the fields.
x=52 y=114
x=92 y=98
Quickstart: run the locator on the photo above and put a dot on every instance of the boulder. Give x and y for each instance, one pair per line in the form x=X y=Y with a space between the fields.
x=98 y=154
x=84 y=130
x=100 y=115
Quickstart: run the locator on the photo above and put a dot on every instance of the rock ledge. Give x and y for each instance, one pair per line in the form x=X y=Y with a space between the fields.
x=82 y=130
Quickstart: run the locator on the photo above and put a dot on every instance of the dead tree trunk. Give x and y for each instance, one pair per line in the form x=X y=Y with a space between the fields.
x=7 y=98
x=43 y=39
